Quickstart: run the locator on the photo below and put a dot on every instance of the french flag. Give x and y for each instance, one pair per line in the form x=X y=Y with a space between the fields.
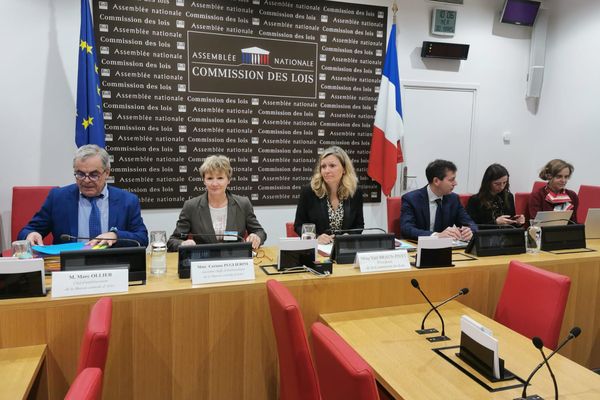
x=388 y=128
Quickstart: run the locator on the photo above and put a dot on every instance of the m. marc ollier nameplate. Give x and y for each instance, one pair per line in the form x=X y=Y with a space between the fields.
x=212 y=271
x=379 y=261
x=96 y=281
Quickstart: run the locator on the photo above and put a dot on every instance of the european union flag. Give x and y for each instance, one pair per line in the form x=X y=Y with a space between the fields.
x=89 y=122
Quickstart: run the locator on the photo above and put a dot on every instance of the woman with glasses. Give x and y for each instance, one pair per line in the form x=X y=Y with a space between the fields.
x=332 y=201
x=494 y=204
x=554 y=196
x=216 y=215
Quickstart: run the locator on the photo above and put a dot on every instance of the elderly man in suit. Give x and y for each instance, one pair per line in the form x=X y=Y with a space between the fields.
x=89 y=208
x=434 y=209
x=217 y=214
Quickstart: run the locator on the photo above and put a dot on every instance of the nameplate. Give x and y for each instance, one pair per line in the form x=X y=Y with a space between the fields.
x=377 y=261
x=213 y=271
x=92 y=281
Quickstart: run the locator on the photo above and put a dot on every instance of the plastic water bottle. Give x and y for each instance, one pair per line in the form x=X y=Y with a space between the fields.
x=533 y=237
x=158 y=258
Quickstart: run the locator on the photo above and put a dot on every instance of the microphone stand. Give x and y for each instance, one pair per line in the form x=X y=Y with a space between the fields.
x=460 y=293
x=422 y=331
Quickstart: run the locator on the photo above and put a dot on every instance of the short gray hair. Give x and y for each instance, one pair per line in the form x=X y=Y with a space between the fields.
x=91 y=150
x=215 y=164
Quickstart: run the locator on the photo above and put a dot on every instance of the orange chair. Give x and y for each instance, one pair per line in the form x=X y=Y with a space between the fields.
x=86 y=386
x=589 y=197
x=343 y=374
x=289 y=230
x=297 y=376
x=533 y=302
x=393 y=215
x=94 y=346
x=26 y=201
x=464 y=198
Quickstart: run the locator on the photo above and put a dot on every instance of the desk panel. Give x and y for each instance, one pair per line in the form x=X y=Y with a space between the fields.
x=172 y=340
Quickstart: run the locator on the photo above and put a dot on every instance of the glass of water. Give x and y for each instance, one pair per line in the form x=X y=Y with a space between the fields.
x=309 y=231
x=21 y=249
x=158 y=252
x=533 y=237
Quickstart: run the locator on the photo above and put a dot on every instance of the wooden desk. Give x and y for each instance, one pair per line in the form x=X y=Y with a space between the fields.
x=173 y=341
x=406 y=365
x=19 y=370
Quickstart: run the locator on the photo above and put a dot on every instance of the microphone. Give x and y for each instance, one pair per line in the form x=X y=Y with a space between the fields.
x=539 y=344
x=573 y=333
x=461 y=292
x=443 y=336
x=354 y=230
x=185 y=236
x=67 y=238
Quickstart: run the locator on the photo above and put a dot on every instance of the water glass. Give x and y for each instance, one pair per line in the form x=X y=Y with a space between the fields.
x=158 y=252
x=533 y=237
x=309 y=231
x=22 y=249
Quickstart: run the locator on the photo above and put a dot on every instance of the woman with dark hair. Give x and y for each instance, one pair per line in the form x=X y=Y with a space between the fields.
x=554 y=196
x=494 y=204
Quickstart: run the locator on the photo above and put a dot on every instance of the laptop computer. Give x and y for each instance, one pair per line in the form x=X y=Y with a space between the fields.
x=592 y=224
x=553 y=218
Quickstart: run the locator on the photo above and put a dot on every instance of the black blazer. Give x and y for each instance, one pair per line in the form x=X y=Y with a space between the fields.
x=312 y=209
x=485 y=216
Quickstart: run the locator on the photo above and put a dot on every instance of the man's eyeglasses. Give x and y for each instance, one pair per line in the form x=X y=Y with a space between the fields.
x=92 y=176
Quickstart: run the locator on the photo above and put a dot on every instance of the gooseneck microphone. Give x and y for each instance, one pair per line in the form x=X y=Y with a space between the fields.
x=576 y=331
x=443 y=336
x=461 y=292
x=539 y=344
x=67 y=238
x=185 y=236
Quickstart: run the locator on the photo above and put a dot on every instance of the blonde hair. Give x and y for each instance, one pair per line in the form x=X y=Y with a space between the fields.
x=553 y=168
x=349 y=181
x=216 y=164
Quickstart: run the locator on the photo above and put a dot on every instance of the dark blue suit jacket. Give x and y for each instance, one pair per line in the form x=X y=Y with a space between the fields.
x=414 y=215
x=59 y=215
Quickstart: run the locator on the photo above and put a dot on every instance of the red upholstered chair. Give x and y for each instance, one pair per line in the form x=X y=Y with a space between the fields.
x=86 y=386
x=393 y=215
x=94 y=346
x=589 y=197
x=537 y=185
x=297 y=376
x=26 y=201
x=289 y=230
x=343 y=374
x=464 y=198
x=533 y=302
x=522 y=204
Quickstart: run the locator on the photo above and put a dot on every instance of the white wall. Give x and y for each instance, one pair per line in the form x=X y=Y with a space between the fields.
x=38 y=42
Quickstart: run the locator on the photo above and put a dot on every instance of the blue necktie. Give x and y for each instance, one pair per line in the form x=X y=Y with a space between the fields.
x=437 y=225
x=95 y=226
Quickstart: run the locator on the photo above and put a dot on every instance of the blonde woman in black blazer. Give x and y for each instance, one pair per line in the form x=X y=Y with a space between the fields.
x=205 y=218
x=332 y=201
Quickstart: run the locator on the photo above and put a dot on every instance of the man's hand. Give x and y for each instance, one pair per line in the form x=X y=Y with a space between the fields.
x=325 y=238
x=450 y=232
x=465 y=233
x=35 y=239
x=104 y=239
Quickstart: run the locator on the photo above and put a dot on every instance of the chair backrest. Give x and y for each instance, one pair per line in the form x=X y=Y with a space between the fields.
x=533 y=302
x=464 y=198
x=522 y=204
x=94 y=345
x=26 y=201
x=289 y=230
x=589 y=197
x=537 y=185
x=343 y=374
x=297 y=376
x=393 y=215
x=86 y=386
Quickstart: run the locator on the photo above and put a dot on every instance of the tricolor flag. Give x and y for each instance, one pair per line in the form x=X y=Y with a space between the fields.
x=89 y=121
x=388 y=128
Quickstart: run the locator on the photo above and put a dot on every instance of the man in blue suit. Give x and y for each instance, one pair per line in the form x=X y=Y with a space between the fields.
x=89 y=208
x=434 y=209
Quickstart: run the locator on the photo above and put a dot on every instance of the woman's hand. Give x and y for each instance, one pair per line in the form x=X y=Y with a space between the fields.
x=325 y=238
x=254 y=239
x=189 y=242
x=504 y=220
x=520 y=219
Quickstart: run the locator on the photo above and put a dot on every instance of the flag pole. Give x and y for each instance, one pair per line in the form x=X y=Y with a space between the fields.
x=394 y=10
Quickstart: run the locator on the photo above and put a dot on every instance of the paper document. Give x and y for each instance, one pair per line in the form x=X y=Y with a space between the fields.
x=325 y=249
